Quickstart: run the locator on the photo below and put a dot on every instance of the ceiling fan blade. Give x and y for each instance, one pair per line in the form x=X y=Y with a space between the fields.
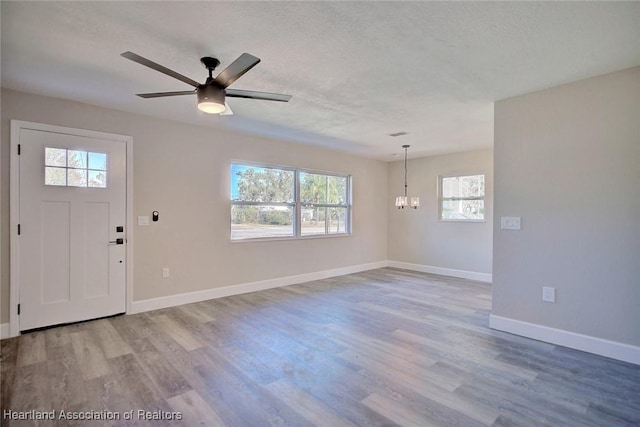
x=227 y=111
x=147 y=63
x=162 y=94
x=252 y=94
x=236 y=69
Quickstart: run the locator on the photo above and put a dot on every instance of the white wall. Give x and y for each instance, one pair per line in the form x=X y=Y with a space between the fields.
x=183 y=172
x=567 y=160
x=416 y=237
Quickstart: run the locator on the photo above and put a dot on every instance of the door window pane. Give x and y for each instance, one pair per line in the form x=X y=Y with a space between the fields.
x=77 y=159
x=75 y=168
x=97 y=179
x=98 y=161
x=55 y=157
x=55 y=176
x=76 y=177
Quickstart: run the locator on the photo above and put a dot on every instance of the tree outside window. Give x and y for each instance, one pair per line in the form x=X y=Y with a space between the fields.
x=271 y=202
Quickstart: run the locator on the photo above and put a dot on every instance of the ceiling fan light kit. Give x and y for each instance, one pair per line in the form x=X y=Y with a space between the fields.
x=211 y=94
x=210 y=99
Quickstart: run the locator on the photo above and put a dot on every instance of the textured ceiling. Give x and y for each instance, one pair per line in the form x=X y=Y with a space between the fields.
x=358 y=71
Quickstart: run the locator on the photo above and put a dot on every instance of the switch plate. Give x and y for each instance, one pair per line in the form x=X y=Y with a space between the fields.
x=143 y=220
x=548 y=294
x=165 y=272
x=510 y=223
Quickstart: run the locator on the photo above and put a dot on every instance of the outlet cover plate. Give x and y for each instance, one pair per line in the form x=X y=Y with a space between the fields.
x=548 y=294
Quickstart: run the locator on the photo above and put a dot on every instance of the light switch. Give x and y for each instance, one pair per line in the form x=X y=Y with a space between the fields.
x=143 y=220
x=510 y=223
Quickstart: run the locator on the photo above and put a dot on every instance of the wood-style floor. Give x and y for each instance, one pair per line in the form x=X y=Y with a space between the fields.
x=380 y=348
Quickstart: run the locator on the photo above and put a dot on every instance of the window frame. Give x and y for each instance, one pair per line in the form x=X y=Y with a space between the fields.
x=442 y=199
x=297 y=203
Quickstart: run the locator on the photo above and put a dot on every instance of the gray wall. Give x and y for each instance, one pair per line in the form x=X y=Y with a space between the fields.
x=417 y=237
x=567 y=160
x=183 y=172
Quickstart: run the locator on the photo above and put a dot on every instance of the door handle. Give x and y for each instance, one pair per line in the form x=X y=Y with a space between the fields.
x=118 y=241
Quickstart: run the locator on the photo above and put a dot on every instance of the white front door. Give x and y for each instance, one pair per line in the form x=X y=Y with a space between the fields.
x=71 y=243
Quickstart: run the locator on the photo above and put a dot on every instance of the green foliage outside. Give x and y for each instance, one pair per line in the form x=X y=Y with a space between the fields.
x=265 y=185
x=277 y=186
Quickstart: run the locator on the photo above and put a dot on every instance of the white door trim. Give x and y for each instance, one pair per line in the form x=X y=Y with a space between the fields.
x=14 y=214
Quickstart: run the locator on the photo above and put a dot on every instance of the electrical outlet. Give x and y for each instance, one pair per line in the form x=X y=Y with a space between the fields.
x=548 y=294
x=165 y=272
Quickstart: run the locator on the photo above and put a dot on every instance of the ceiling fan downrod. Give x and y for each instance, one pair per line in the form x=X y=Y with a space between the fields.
x=210 y=64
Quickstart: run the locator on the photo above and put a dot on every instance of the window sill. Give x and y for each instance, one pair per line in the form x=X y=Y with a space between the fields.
x=289 y=238
x=463 y=220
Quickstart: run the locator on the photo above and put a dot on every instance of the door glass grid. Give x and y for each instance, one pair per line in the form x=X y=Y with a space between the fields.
x=74 y=168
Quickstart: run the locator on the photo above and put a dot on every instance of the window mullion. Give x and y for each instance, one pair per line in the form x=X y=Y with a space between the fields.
x=298 y=211
x=349 y=201
x=457 y=199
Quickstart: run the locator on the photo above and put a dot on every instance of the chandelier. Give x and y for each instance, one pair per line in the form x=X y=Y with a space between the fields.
x=403 y=201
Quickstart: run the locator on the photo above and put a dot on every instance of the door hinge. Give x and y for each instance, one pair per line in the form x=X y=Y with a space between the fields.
x=18 y=149
x=19 y=229
x=18 y=309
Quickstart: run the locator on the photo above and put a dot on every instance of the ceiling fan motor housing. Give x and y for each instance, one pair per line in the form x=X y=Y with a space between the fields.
x=211 y=98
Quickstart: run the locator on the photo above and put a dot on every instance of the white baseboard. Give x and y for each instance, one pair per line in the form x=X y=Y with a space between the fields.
x=4 y=331
x=463 y=274
x=602 y=347
x=243 y=288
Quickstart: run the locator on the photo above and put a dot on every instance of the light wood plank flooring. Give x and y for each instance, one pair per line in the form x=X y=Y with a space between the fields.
x=385 y=347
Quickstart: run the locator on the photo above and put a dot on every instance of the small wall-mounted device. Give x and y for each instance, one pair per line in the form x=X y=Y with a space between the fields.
x=155 y=215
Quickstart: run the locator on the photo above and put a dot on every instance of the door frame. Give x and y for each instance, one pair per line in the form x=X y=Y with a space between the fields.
x=14 y=208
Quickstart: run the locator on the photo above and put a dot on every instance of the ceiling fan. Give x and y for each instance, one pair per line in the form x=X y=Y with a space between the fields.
x=212 y=93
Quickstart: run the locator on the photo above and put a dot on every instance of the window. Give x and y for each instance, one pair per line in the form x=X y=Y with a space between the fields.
x=263 y=203
x=273 y=202
x=74 y=168
x=324 y=204
x=461 y=198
